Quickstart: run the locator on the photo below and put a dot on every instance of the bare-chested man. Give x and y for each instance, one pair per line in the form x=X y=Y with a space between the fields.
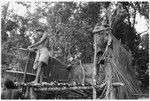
x=42 y=54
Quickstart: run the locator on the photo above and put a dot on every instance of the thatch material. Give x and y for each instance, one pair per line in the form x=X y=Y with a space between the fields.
x=118 y=68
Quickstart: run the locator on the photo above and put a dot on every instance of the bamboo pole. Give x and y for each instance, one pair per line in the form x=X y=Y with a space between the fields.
x=24 y=76
x=94 y=69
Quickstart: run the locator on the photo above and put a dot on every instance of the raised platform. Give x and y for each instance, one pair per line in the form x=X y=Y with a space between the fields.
x=62 y=90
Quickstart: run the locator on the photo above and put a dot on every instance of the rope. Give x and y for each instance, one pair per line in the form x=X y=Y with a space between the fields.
x=104 y=54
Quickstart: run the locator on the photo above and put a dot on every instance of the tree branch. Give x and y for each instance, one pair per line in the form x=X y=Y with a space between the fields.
x=144 y=31
x=46 y=6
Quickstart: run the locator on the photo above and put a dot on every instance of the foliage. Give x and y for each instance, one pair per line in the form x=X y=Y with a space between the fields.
x=13 y=37
x=69 y=25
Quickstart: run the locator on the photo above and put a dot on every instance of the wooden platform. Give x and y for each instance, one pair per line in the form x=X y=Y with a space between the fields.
x=62 y=90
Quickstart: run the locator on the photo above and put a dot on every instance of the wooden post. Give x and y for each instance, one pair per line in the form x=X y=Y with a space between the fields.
x=113 y=93
x=25 y=71
x=82 y=72
x=94 y=68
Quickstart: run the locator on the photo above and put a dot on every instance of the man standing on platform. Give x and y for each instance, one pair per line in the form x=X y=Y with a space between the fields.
x=42 y=54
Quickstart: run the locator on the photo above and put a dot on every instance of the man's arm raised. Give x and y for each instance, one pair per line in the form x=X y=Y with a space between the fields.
x=39 y=42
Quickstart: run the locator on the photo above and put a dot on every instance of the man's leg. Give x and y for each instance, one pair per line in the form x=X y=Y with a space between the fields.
x=41 y=75
x=39 y=68
x=42 y=71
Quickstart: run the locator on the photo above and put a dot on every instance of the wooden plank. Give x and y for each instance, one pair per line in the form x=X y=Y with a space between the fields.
x=19 y=72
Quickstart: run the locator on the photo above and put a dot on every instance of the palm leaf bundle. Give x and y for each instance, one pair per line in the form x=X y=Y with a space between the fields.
x=118 y=68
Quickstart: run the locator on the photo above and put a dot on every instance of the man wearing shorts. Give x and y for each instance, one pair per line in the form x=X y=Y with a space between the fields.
x=42 y=54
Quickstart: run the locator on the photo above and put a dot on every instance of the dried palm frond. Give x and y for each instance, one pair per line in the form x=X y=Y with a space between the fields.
x=118 y=68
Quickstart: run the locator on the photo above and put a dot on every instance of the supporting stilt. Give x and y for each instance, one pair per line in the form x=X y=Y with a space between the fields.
x=94 y=69
x=25 y=71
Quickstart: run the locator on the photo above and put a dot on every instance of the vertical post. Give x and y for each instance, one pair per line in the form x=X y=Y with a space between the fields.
x=94 y=68
x=25 y=71
x=82 y=72
x=52 y=50
x=113 y=93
